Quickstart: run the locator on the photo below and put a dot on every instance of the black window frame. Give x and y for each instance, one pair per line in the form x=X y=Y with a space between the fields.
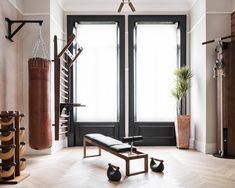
x=120 y=19
x=132 y=20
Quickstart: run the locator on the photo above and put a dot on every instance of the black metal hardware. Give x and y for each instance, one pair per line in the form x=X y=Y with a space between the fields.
x=219 y=39
x=69 y=106
x=11 y=34
x=225 y=141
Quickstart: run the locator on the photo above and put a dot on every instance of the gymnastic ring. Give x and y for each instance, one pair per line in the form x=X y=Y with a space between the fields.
x=156 y=167
x=7 y=173
x=7 y=138
x=7 y=155
x=22 y=164
x=113 y=173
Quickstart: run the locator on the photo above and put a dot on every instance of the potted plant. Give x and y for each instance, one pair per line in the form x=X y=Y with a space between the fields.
x=182 y=125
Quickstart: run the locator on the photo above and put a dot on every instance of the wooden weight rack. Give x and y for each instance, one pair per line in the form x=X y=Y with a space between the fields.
x=63 y=61
x=12 y=148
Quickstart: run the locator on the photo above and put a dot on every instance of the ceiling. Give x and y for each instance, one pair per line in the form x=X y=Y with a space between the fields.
x=140 y=5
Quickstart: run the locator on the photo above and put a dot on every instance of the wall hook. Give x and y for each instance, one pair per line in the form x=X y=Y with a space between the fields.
x=22 y=23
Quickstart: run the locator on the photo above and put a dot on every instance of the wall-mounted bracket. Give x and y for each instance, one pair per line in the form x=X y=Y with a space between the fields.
x=69 y=106
x=22 y=23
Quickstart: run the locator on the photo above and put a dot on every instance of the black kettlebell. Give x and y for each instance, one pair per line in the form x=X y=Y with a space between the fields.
x=156 y=167
x=113 y=173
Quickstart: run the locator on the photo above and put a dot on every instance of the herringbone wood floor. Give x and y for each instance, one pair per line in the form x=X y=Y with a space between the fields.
x=183 y=169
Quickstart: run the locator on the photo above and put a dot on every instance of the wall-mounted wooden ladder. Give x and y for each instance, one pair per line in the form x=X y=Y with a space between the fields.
x=62 y=64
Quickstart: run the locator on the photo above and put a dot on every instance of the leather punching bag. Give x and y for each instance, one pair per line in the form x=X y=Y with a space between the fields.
x=40 y=135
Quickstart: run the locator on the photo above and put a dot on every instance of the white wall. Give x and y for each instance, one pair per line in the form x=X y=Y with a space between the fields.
x=11 y=92
x=233 y=5
x=198 y=66
x=36 y=7
x=56 y=28
x=18 y=4
x=218 y=20
x=112 y=6
x=210 y=19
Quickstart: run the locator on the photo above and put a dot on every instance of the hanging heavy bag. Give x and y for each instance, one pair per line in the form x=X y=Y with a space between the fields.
x=40 y=134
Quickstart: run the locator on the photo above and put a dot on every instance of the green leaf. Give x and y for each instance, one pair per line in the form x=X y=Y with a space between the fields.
x=182 y=84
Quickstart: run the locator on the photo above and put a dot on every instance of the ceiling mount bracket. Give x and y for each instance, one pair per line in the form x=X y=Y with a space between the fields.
x=11 y=34
x=126 y=2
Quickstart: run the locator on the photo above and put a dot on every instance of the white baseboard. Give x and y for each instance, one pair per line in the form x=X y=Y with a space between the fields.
x=192 y=143
x=57 y=146
x=30 y=151
x=200 y=146
x=207 y=148
x=211 y=148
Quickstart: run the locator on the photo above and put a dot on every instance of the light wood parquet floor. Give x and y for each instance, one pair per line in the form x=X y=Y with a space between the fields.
x=183 y=169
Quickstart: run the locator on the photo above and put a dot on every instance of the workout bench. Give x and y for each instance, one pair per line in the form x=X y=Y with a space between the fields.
x=118 y=148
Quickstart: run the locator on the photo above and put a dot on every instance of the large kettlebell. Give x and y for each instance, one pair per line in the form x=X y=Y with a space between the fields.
x=113 y=173
x=156 y=167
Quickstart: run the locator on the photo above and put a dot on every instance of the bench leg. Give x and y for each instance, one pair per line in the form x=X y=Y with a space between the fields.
x=140 y=172
x=146 y=164
x=84 y=148
x=99 y=151
x=127 y=167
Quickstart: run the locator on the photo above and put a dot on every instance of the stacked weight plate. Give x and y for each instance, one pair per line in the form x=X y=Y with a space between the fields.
x=12 y=147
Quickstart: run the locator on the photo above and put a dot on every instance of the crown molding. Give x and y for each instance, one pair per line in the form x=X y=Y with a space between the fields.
x=140 y=5
x=154 y=5
x=61 y=4
x=15 y=5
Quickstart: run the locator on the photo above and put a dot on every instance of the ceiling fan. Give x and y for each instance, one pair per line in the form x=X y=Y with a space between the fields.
x=126 y=2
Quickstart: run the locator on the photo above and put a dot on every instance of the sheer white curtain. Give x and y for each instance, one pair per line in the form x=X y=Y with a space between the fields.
x=96 y=73
x=156 y=61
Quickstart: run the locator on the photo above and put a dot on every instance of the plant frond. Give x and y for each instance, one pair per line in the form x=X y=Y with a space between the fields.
x=183 y=77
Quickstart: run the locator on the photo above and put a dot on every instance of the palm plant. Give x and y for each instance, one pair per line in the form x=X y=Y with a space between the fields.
x=182 y=85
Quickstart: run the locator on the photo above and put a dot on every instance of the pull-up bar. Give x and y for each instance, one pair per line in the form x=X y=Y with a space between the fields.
x=11 y=34
x=218 y=39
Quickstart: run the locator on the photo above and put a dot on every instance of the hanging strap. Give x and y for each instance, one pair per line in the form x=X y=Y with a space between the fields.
x=40 y=43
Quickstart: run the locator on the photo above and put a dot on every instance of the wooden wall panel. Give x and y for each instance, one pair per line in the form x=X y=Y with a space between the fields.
x=233 y=24
x=231 y=101
x=229 y=92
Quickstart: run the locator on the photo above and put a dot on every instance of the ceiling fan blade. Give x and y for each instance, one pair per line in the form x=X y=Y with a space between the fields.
x=120 y=7
x=132 y=7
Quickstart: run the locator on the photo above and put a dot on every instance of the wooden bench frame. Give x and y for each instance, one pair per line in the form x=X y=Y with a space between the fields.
x=136 y=155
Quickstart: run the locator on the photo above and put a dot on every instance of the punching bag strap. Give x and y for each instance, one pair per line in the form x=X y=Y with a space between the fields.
x=40 y=43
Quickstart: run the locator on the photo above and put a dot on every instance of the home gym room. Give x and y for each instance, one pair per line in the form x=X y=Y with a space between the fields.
x=117 y=93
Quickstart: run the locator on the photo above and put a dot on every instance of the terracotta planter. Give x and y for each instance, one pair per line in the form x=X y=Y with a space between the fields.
x=182 y=129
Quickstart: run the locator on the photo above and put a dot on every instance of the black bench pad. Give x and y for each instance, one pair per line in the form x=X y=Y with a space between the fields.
x=103 y=140
x=122 y=148
x=109 y=142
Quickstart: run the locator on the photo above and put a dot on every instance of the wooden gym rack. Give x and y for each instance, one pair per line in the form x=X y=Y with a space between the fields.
x=12 y=148
x=63 y=61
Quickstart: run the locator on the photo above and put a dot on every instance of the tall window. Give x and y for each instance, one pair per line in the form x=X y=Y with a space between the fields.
x=157 y=47
x=155 y=63
x=96 y=72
